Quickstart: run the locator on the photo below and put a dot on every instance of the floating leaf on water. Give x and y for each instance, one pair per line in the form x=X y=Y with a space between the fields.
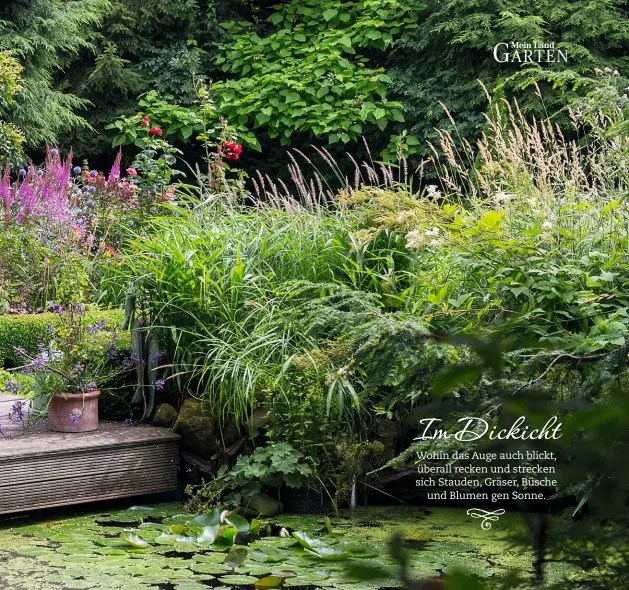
x=209 y=568
x=166 y=538
x=238 y=522
x=236 y=557
x=177 y=519
x=178 y=529
x=269 y=582
x=307 y=541
x=210 y=534
x=210 y=519
x=134 y=540
x=238 y=579
x=142 y=508
x=330 y=553
x=208 y=558
x=255 y=526
x=257 y=569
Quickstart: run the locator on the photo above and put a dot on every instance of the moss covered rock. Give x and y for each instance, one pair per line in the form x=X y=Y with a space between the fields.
x=198 y=431
x=165 y=415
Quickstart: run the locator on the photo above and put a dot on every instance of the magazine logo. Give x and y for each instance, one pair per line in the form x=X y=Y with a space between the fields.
x=516 y=52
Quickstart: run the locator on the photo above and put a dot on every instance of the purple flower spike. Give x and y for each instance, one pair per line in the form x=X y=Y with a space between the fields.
x=17 y=413
x=91 y=330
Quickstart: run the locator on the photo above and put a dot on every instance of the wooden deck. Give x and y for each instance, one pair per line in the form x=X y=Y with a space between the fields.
x=44 y=469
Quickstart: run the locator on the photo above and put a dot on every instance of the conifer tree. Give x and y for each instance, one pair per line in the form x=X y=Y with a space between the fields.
x=44 y=35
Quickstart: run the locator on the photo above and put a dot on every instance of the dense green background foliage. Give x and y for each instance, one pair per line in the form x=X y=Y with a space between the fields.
x=296 y=72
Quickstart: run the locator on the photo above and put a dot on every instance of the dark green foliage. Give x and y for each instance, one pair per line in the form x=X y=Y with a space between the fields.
x=443 y=59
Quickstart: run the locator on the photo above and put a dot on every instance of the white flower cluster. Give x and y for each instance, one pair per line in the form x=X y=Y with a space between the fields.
x=415 y=239
x=432 y=190
x=503 y=198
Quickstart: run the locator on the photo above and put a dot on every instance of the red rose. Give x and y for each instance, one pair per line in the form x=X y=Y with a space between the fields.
x=145 y=121
x=233 y=150
x=132 y=172
x=155 y=131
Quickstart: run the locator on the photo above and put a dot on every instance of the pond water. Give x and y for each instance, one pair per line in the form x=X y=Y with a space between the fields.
x=67 y=551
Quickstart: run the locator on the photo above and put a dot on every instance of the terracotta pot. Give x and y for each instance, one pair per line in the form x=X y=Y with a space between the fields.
x=74 y=412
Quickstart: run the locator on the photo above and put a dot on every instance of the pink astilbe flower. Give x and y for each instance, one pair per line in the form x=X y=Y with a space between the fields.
x=115 y=169
x=43 y=193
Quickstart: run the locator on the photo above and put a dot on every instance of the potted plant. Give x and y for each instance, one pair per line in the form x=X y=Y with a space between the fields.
x=68 y=369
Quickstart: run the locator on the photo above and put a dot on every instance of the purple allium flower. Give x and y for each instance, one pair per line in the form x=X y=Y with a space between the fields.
x=76 y=170
x=12 y=386
x=17 y=413
x=74 y=417
x=39 y=362
x=91 y=330
x=22 y=172
x=159 y=384
x=87 y=387
x=129 y=362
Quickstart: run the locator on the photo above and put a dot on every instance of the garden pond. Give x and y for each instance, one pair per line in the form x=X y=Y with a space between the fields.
x=150 y=547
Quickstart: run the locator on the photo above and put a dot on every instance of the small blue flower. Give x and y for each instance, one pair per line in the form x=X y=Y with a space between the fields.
x=91 y=189
x=22 y=172
x=93 y=173
x=159 y=384
x=40 y=173
x=76 y=170
x=74 y=417
x=54 y=152
x=90 y=204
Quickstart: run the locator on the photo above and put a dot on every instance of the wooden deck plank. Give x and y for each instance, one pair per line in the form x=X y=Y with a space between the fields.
x=45 y=469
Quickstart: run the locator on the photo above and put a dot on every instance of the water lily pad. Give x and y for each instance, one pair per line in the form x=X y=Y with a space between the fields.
x=133 y=539
x=211 y=534
x=238 y=522
x=269 y=582
x=236 y=557
x=209 y=557
x=209 y=568
x=307 y=541
x=238 y=579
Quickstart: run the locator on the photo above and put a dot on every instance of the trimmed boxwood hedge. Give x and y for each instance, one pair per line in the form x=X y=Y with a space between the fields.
x=26 y=331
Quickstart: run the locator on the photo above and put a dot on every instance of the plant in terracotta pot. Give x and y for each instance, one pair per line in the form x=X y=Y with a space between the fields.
x=69 y=368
